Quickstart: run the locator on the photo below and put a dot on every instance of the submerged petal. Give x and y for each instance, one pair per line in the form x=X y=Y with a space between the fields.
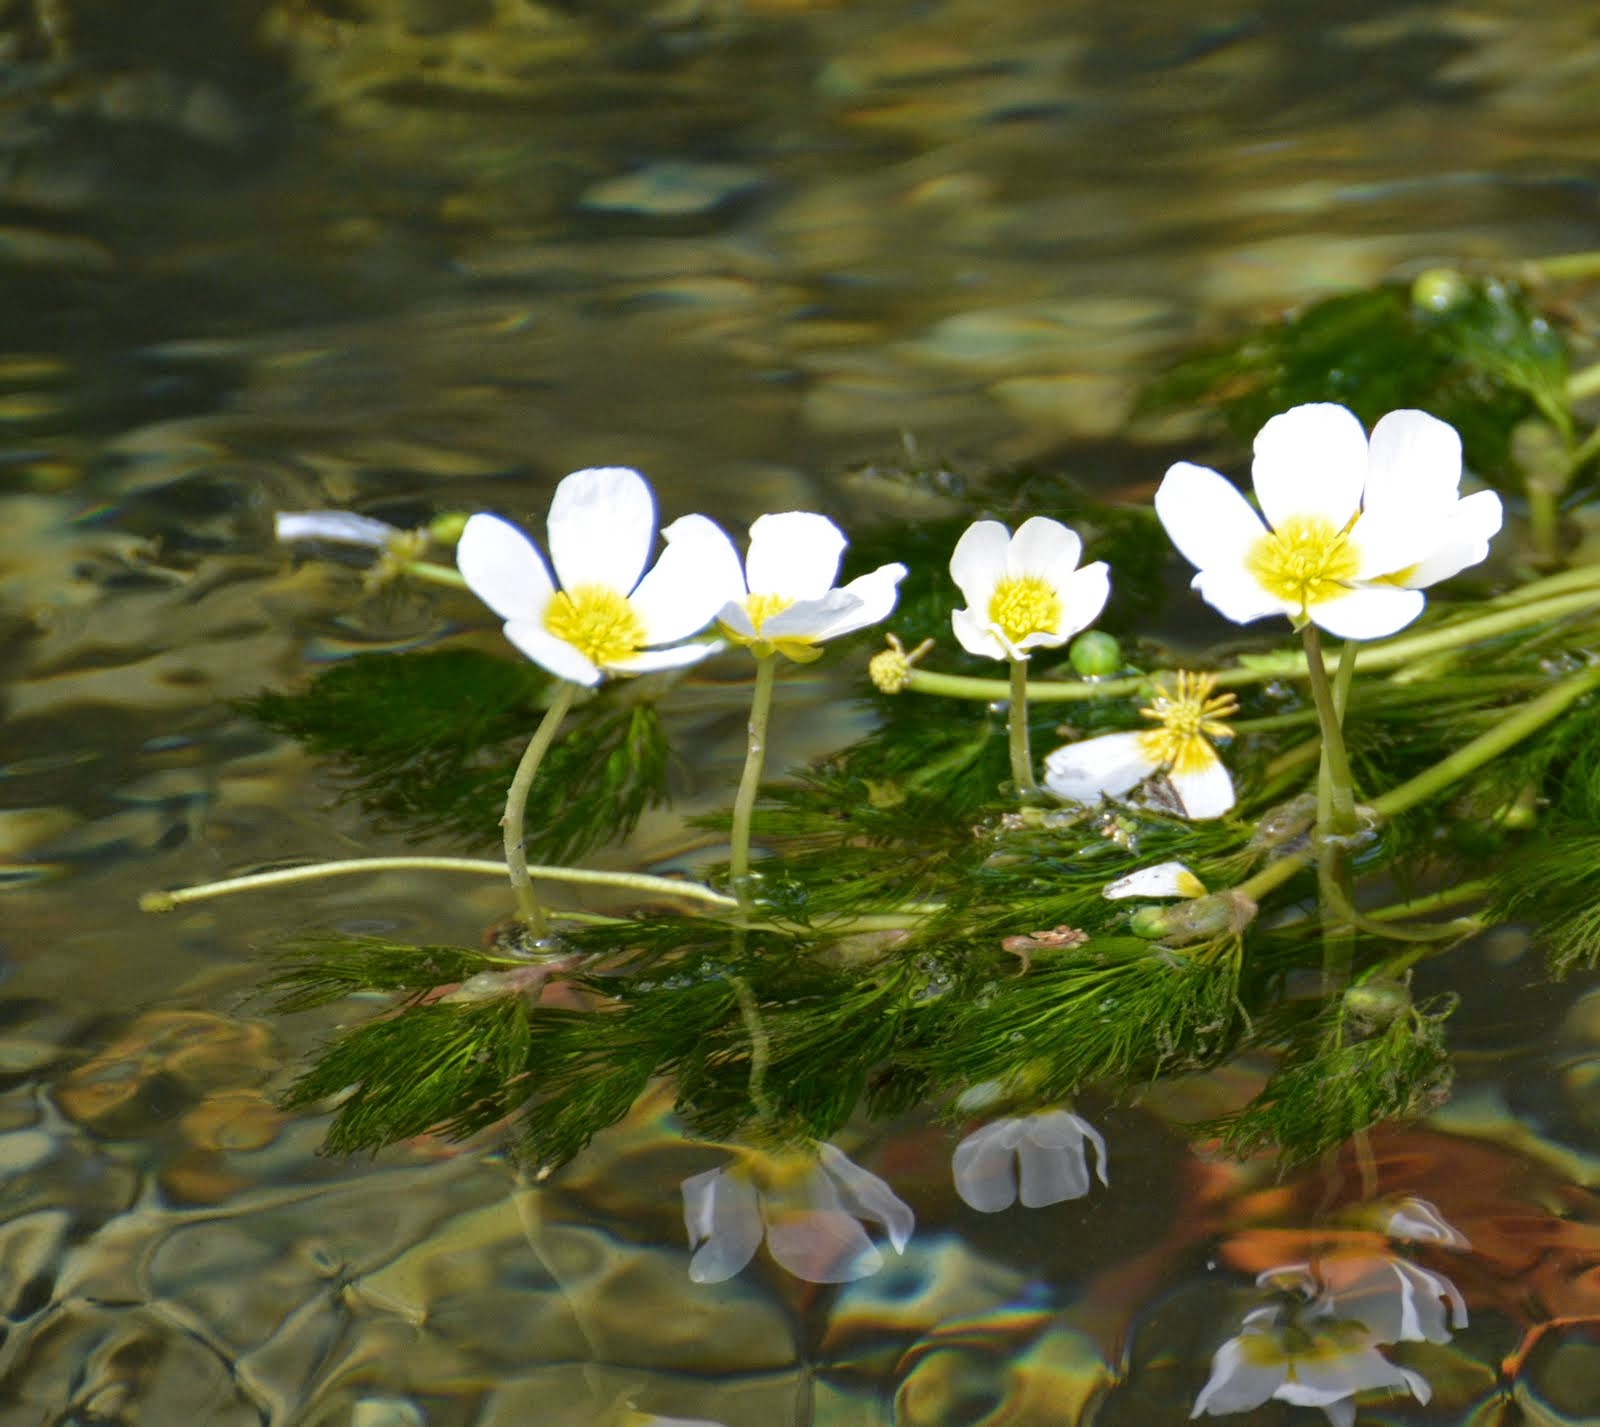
x=1051 y=1157
x=696 y=575
x=1165 y=879
x=983 y=1166
x=722 y=1214
x=602 y=523
x=503 y=569
x=1237 y=1383
x=794 y=554
x=1311 y=461
x=1203 y=787
x=869 y=1196
x=1111 y=764
x=821 y=1245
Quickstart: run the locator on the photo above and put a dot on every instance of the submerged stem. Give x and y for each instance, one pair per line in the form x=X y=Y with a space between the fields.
x=1017 y=727
x=511 y=823
x=755 y=758
x=479 y=867
x=1341 y=812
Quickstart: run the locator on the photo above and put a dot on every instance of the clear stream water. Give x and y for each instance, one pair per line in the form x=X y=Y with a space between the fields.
x=401 y=255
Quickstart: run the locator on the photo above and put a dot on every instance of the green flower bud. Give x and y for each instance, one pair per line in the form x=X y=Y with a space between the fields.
x=446 y=529
x=1095 y=654
x=1439 y=289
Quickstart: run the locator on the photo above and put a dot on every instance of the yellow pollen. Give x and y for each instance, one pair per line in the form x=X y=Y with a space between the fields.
x=1022 y=605
x=597 y=621
x=761 y=608
x=1306 y=560
x=1189 y=720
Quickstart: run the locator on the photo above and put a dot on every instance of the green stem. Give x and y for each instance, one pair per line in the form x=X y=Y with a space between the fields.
x=1565 y=267
x=1584 y=384
x=1439 y=901
x=1017 y=727
x=760 y=1047
x=1341 y=811
x=1544 y=521
x=478 y=867
x=755 y=758
x=511 y=824
x=435 y=574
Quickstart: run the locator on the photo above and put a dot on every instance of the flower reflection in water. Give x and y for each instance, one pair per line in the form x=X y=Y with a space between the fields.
x=810 y=1211
x=1045 y=1152
x=1319 y=1346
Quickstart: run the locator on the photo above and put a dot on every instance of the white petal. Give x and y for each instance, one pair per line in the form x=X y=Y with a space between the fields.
x=723 y=1217
x=736 y=616
x=556 y=655
x=1054 y=1166
x=1311 y=461
x=1367 y=613
x=1419 y=1221
x=337 y=527
x=1083 y=596
x=805 y=619
x=1236 y=594
x=503 y=569
x=696 y=575
x=821 y=1245
x=978 y=562
x=1204 y=789
x=1165 y=879
x=1463 y=541
x=984 y=1166
x=869 y=1196
x=1236 y=1384
x=1413 y=462
x=676 y=656
x=875 y=594
x=794 y=554
x=1112 y=763
x=976 y=635
x=1045 y=548
x=602 y=523
x=1321 y=1381
x=1207 y=517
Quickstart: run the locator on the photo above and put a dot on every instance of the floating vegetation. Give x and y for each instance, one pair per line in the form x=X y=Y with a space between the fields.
x=1100 y=868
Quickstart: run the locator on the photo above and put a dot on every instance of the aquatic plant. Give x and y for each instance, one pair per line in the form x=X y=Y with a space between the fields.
x=924 y=923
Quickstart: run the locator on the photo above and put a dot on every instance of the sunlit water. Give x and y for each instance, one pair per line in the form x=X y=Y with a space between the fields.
x=435 y=253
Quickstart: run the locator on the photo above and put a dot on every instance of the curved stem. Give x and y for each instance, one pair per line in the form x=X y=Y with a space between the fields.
x=1341 y=811
x=511 y=824
x=479 y=867
x=1017 y=728
x=755 y=758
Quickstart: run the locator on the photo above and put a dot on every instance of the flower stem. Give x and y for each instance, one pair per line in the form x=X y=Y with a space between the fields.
x=1341 y=810
x=511 y=824
x=318 y=871
x=1017 y=726
x=755 y=759
x=435 y=574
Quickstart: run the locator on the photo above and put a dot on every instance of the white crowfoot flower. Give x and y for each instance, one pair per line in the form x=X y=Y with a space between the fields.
x=1179 y=746
x=1165 y=879
x=1045 y=1150
x=788 y=603
x=809 y=1210
x=1305 y=1359
x=1419 y=1221
x=609 y=616
x=1023 y=591
x=1352 y=531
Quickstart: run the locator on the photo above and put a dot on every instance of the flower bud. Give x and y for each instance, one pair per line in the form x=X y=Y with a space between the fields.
x=1095 y=654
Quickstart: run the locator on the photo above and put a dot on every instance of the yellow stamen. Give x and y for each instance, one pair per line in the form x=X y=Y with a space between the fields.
x=1189 y=720
x=597 y=621
x=1022 y=605
x=1307 y=560
x=761 y=608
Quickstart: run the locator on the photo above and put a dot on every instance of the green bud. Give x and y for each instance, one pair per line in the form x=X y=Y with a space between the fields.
x=1095 y=654
x=1376 y=1003
x=1222 y=913
x=1439 y=289
x=446 y=529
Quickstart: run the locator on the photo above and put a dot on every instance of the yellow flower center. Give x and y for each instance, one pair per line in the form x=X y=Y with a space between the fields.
x=1306 y=561
x=761 y=608
x=597 y=621
x=1189 y=720
x=1022 y=605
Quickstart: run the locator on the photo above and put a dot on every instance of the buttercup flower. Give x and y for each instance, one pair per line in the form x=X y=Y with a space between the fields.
x=1023 y=591
x=1165 y=879
x=1303 y=1358
x=1180 y=746
x=608 y=616
x=1353 y=531
x=788 y=603
x=1047 y=1152
x=809 y=1210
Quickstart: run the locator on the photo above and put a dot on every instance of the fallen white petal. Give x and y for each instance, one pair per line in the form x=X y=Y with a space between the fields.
x=1204 y=788
x=1111 y=763
x=1165 y=879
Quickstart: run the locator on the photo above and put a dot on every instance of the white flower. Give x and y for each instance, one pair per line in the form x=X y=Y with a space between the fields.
x=1179 y=746
x=1419 y=1221
x=337 y=527
x=1048 y=1151
x=809 y=1211
x=1023 y=591
x=788 y=603
x=1395 y=1300
x=1165 y=879
x=605 y=618
x=1353 y=531
x=1305 y=1359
